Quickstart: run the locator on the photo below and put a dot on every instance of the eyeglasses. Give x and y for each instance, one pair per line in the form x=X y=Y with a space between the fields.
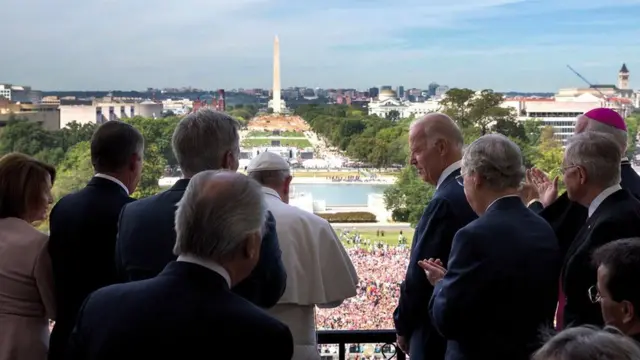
x=460 y=179
x=594 y=295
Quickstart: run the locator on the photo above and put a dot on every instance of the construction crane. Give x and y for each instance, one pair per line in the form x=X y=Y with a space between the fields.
x=588 y=83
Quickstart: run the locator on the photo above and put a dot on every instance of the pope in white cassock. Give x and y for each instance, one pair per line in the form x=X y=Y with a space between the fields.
x=319 y=271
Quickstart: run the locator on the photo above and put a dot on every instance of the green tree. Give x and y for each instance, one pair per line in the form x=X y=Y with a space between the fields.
x=632 y=132
x=408 y=197
x=74 y=171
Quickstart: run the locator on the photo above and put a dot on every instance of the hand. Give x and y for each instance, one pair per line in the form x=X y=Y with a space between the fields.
x=547 y=189
x=434 y=270
x=402 y=344
x=528 y=192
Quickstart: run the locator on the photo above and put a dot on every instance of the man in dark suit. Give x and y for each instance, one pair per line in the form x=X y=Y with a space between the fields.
x=188 y=311
x=501 y=285
x=84 y=225
x=204 y=140
x=567 y=217
x=592 y=177
x=436 y=149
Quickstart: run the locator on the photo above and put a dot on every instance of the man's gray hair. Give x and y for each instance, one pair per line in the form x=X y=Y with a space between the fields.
x=202 y=138
x=496 y=159
x=213 y=223
x=437 y=126
x=598 y=153
x=589 y=343
x=619 y=136
x=270 y=177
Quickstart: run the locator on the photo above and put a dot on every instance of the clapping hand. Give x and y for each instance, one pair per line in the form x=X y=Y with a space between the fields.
x=434 y=270
x=547 y=189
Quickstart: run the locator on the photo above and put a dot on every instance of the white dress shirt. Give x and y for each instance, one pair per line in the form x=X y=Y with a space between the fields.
x=211 y=265
x=447 y=171
x=109 y=177
x=601 y=197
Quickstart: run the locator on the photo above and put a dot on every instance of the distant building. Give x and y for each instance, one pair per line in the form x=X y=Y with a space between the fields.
x=217 y=104
x=401 y=92
x=101 y=110
x=388 y=102
x=21 y=94
x=47 y=115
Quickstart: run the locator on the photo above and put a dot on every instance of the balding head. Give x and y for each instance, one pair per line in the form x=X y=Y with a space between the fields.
x=613 y=125
x=220 y=213
x=435 y=142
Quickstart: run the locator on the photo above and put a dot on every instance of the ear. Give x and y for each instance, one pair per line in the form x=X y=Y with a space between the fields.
x=287 y=183
x=252 y=246
x=477 y=180
x=628 y=312
x=133 y=161
x=583 y=175
x=442 y=147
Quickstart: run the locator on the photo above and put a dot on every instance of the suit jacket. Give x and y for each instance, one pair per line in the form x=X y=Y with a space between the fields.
x=447 y=212
x=26 y=291
x=567 y=217
x=187 y=312
x=83 y=228
x=146 y=237
x=617 y=217
x=501 y=285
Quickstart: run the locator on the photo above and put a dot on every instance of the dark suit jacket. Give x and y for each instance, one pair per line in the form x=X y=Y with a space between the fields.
x=147 y=235
x=83 y=229
x=616 y=218
x=187 y=312
x=501 y=286
x=567 y=217
x=447 y=212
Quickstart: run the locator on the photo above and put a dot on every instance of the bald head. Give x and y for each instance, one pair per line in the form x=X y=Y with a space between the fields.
x=217 y=213
x=436 y=126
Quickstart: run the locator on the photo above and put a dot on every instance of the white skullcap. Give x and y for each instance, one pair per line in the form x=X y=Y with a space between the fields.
x=267 y=161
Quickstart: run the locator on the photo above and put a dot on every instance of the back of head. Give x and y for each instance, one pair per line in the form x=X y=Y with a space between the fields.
x=269 y=169
x=23 y=183
x=589 y=343
x=112 y=146
x=607 y=121
x=496 y=159
x=598 y=153
x=217 y=213
x=202 y=140
x=438 y=126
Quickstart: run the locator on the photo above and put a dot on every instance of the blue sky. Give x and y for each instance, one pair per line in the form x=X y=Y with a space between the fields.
x=499 y=44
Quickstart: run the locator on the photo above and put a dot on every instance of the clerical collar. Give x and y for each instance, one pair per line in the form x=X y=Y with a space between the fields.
x=601 y=197
x=111 y=178
x=211 y=265
x=447 y=171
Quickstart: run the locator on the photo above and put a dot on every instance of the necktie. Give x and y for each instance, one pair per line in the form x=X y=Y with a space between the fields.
x=560 y=308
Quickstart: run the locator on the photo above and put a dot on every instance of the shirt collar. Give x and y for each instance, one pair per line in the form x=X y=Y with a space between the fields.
x=109 y=177
x=447 y=171
x=211 y=265
x=271 y=192
x=601 y=197
x=500 y=198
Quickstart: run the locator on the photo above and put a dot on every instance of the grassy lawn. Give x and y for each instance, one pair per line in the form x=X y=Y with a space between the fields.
x=298 y=143
x=256 y=133
x=390 y=236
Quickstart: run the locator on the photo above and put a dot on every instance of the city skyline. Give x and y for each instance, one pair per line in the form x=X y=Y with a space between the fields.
x=506 y=45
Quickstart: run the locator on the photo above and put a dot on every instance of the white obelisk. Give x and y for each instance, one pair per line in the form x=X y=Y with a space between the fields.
x=277 y=102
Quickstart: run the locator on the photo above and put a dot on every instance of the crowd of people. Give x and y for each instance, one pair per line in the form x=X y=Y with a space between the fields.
x=380 y=270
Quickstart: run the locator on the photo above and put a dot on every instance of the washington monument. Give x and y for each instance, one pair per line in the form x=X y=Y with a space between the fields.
x=276 y=102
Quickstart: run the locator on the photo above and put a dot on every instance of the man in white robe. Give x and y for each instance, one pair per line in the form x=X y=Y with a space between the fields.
x=319 y=271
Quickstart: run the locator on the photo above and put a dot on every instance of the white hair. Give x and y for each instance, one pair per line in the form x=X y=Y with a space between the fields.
x=496 y=159
x=214 y=223
x=202 y=138
x=619 y=136
x=436 y=126
x=589 y=343
x=598 y=153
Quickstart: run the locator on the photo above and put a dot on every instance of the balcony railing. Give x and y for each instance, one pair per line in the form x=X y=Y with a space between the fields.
x=342 y=338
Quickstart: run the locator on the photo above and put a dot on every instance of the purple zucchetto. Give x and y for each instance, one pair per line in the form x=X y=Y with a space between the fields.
x=608 y=117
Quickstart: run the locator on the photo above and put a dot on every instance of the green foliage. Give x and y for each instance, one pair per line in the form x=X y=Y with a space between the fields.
x=632 y=131
x=408 y=197
x=349 y=217
x=74 y=171
x=297 y=143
